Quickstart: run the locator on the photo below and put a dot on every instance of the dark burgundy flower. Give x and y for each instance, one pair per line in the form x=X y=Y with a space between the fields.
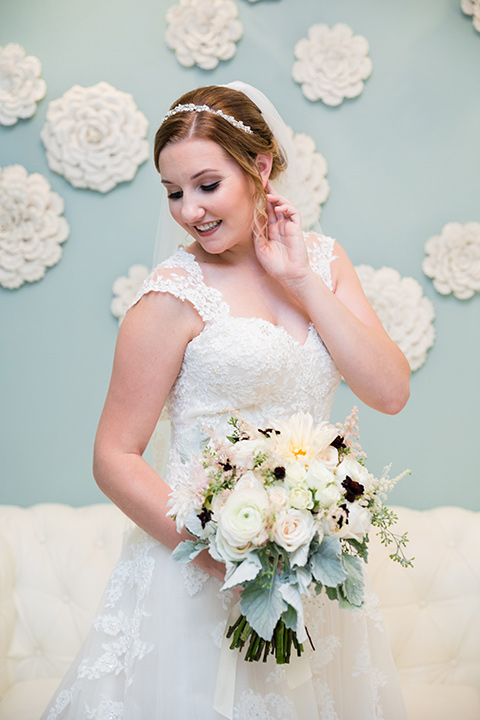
x=343 y=518
x=279 y=472
x=353 y=488
x=338 y=442
x=205 y=516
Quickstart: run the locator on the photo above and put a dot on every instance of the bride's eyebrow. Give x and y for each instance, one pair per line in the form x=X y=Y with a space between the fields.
x=194 y=177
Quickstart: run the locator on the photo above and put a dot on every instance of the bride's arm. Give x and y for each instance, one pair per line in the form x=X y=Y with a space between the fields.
x=148 y=356
x=372 y=365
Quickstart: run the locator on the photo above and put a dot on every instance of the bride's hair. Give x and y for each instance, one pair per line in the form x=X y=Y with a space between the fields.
x=243 y=147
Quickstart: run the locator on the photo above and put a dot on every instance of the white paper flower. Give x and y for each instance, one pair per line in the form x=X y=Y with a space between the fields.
x=202 y=32
x=312 y=187
x=95 y=136
x=125 y=289
x=472 y=7
x=31 y=226
x=20 y=84
x=406 y=314
x=332 y=63
x=454 y=260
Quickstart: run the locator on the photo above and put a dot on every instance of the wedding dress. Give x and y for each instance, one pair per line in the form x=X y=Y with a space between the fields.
x=153 y=651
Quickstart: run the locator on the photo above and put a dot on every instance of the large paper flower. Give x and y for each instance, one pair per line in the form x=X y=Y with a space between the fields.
x=332 y=63
x=20 y=84
x=406 y=314
x=311 y=187
x=202 y=32
x=472 y=7
x=31 y=226
x=95 y=136
x=454 y=260
x=125 y=289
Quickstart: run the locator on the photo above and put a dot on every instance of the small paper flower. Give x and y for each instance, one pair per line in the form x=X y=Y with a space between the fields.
x=454 y=260
x=312 y=187
x=406 y=314
x=20 y=84
x=125 y=289
x=95 y=137
x=472 y=7
x=202 y=32
x=31 y=226
x=332 y=63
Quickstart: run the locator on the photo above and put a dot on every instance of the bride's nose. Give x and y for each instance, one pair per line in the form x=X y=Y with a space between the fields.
x=192 y=210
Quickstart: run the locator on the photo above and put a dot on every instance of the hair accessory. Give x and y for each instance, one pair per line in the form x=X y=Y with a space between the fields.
x=190 y=107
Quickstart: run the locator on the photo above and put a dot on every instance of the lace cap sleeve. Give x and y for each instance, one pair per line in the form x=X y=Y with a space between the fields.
x=320 y=253
x=180 y=276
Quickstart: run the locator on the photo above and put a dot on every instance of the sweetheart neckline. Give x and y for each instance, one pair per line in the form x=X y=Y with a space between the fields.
x=216 y=291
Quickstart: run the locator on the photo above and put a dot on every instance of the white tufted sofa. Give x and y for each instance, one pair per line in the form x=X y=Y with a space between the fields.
x=55 y=561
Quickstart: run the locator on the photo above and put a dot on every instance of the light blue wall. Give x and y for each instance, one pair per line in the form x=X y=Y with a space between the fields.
x=404 y=159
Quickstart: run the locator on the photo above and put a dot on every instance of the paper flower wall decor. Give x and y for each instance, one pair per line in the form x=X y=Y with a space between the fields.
x=312 y=188
x=406 y=314
x=332 y=63
x=95 y=137
x=472 y=7
x=453 y=260
x=125 y=289
x=21 y=86
x=202 y=32
x=31 y=226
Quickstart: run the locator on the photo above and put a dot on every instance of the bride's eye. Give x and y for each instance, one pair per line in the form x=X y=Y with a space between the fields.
x=210 y=188
x=175 y=195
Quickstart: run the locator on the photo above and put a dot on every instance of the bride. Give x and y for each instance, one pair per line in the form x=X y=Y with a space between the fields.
x=250 y=315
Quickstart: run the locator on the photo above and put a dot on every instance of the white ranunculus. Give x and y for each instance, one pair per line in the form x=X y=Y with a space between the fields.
x=243 y=515
x=228 y=552
x=278 y=495
x=293 y=528
x=355 y=471
x=300 y=498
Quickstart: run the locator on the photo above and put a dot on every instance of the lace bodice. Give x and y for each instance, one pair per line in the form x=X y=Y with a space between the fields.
x=247 y=365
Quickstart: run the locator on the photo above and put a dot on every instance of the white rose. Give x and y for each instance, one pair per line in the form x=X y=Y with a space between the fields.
x=244 y=451
x=351 y=467
x=329 y=457
x=328 y=495
x=243 y=515
x=300 y=498
x=294 y=474
x=278 y=495
x=293 y=528
x=318 y=475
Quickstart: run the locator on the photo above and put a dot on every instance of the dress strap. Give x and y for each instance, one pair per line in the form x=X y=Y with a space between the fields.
x=320 y=253
x=180 y=275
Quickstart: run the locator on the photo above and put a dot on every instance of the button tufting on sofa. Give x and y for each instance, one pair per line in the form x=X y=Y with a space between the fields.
x=55 y=561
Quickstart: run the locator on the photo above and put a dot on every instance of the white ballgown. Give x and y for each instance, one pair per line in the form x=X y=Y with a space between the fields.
x=153 y=651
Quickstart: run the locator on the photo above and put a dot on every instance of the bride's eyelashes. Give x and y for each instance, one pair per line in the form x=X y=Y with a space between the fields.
x=205 y=188
x=211 y=187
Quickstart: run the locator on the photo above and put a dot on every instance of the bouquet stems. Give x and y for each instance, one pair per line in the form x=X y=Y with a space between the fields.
x=280 y=645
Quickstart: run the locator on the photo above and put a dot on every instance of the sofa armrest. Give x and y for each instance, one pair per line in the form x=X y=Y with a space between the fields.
x=7 y=611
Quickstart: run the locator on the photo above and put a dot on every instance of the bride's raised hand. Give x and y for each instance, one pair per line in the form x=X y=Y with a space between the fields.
x=280 y=247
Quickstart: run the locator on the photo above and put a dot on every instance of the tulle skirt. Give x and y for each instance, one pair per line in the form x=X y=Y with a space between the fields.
x=154 y=649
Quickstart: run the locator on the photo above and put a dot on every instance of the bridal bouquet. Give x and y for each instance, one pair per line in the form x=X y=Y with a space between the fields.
x=288 y=509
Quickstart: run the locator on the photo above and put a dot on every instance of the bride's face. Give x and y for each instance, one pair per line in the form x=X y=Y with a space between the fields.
x=209 y=195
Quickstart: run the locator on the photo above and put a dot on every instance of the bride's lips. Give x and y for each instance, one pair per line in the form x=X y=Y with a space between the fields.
x=207 y=228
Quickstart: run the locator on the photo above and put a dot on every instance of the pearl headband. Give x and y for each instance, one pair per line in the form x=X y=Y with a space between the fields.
x=205 y=108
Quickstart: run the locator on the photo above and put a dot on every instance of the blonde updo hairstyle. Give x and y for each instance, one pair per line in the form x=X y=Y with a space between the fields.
x=241 y=146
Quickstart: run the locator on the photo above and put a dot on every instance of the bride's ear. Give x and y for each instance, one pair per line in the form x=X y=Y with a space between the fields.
x=264 y=165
